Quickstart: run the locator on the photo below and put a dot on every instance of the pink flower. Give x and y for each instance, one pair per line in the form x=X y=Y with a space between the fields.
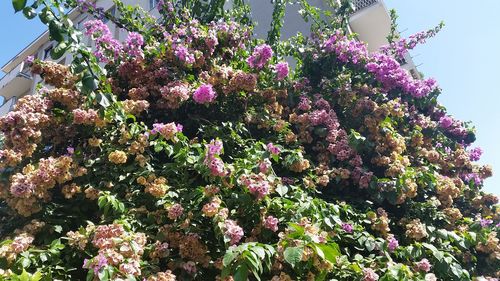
x=233 y=231
x=273 y=149
x=281 y=70
x=264 y=166
x=271 y=223
x=189 y=267
x=168 y=131
x=445 y=122
x=204 y=94
x=175 y=211
x=424 y=265
x=369 y=275
x=214 y=148
x=260 y=57
x=134 y=44
x=183 y=54
x=216 y=167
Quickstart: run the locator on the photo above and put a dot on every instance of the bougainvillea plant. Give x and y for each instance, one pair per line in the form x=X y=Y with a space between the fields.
x=191 y=150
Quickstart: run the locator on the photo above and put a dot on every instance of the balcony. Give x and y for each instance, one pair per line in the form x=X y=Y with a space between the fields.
x=16 y=83
x=371 y=21
x=361 y=4
x=7 y=106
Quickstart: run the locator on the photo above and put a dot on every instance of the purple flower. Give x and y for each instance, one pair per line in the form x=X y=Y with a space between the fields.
x=183 y=54
x=445 y=122
x=273 y=149
x=392 y=244
x=134 y=44
x=475 y=154
x=204 y=94
x=106 y=46
x=214 y=148
x=485 y=222
x=70 y=150
x=29 y=60
x=347 y=227
x=260 y=57
x=281 y=70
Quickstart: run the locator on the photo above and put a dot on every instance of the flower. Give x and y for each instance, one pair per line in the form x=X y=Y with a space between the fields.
x=445 y=122
x=347 y=227
x=204 y=94
x=175 y=211
x=117 y=157
x=134 y=44
x=260 y=57
x=183 y=54
x=392 y=243
x=271 y=223
x=424 y=265
x=485 y=222
x=475 y=154
x=369 y=275
x=232 y=231
x=281 y=70
x=273 y=149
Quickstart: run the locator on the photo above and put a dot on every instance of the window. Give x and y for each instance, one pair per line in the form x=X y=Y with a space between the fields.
x=153 y=4
x=46 y=52
x=112 y=11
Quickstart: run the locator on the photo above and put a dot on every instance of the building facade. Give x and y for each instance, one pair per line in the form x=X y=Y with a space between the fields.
x=370 y=21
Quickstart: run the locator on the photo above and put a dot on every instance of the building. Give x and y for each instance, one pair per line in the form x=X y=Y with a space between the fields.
x=370 y=21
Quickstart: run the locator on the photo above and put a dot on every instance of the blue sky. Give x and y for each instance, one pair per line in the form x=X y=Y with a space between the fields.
x=464 y=58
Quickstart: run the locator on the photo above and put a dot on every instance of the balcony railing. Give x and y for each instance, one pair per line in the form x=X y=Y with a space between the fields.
x=362 y=4
x=16 y=82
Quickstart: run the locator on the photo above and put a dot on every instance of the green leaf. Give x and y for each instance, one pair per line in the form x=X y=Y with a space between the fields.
x=241 y=273
x=37 y=276
x=228 y=258
x=29 y=12
x=59 y=51
x=331 y=251
x=103 y=100
x=19 y=4
x=89 y=84
x=293 y=255
x=55 y=32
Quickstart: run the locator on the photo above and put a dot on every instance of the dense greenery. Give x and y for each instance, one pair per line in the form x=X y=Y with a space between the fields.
x=192 y=151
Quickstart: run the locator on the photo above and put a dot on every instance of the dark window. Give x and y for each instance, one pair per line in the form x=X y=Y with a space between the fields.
x=46 y=53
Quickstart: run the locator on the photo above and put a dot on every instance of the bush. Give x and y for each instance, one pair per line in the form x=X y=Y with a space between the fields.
x=196 y=152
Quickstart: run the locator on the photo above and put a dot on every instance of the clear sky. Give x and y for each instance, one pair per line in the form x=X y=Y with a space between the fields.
x=464 y=58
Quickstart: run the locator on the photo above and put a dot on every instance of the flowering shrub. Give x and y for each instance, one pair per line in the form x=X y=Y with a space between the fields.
x=197 y=153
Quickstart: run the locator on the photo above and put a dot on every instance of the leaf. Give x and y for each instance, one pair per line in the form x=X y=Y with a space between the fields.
x=19 y=4
x=59 y=51
x=331 y=251
x=37 y=276
x=55 y=32
x=228 y=258
x=293 y=255
x=241 y=273
x=281 y=189
x=103 y=100
x=29 y=12
x=89 y=84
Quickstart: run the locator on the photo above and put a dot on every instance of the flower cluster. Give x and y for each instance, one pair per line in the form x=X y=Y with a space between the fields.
x=117 y=248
